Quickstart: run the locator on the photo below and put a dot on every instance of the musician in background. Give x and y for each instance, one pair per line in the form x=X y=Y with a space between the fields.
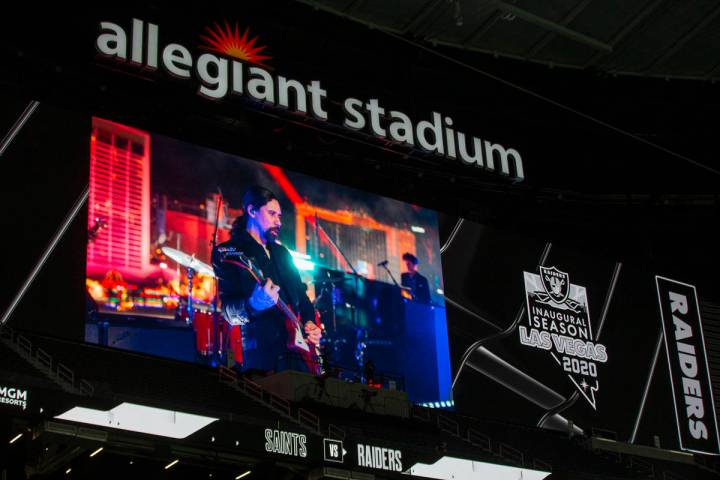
x=253 y=306
x=412 y=279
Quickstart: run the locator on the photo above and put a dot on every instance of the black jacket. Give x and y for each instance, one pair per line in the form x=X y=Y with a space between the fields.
x=418 y=285
x=264 y=334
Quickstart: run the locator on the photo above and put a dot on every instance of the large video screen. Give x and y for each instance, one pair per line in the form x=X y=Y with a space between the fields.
x=202 y=256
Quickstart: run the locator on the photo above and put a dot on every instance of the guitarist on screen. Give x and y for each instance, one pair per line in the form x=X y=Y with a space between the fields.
x=269 y=344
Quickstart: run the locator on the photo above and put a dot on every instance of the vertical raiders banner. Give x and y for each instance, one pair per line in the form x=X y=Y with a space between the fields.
x=687 y=362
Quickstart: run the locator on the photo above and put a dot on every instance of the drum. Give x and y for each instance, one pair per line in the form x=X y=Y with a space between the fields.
x=202 y=323
x=204 y=331
x=233 y=334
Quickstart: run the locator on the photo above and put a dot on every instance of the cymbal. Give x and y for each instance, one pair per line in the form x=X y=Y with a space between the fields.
x=188 y=261
x=329 y=279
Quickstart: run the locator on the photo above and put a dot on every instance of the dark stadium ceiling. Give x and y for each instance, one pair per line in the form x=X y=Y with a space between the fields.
x=656 y=38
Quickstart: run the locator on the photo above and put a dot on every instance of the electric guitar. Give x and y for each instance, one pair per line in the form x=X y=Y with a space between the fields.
x=296 y=342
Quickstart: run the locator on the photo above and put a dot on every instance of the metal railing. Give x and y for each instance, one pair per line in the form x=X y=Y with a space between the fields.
x=58 y=372
x=541 y=465
x=511 y=454
x=309 y=419
x=447 y=424
x=336 y=432
x=252 y=390
x=480 y=440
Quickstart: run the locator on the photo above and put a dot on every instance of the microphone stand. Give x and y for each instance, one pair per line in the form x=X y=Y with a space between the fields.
x=354 y=272
x=216 y=350
x=317 y=236
x=392 y=277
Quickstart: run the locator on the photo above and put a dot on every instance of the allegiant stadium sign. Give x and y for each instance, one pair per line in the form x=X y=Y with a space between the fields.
x=233 y=67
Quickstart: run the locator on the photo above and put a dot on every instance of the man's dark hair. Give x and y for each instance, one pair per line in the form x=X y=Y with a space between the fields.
x=407 y=256
x=256 y=196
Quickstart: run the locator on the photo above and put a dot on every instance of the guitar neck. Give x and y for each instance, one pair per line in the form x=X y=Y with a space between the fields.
x=282 y=306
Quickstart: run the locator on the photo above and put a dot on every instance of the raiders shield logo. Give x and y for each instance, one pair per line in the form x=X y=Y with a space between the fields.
x=555 y=283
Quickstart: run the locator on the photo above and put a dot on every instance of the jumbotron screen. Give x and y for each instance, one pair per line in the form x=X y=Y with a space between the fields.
x=307 y=275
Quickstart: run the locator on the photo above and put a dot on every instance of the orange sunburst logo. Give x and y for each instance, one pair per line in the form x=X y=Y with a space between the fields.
x=228 y=41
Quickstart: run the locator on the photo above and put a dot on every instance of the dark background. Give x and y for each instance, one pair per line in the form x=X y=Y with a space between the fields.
x=599 y=196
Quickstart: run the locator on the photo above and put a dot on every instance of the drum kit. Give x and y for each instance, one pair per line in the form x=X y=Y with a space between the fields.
x=204 y=318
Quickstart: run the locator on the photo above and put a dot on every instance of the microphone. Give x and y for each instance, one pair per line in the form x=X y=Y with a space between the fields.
x=383 y=263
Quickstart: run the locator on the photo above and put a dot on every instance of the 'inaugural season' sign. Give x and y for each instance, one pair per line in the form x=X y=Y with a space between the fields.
x=689 y=371
x=559 y=321
x=233 y=66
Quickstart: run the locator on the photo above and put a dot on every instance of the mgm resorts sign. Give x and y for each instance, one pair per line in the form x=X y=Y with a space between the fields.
x=232 y=65
x=13 y=396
